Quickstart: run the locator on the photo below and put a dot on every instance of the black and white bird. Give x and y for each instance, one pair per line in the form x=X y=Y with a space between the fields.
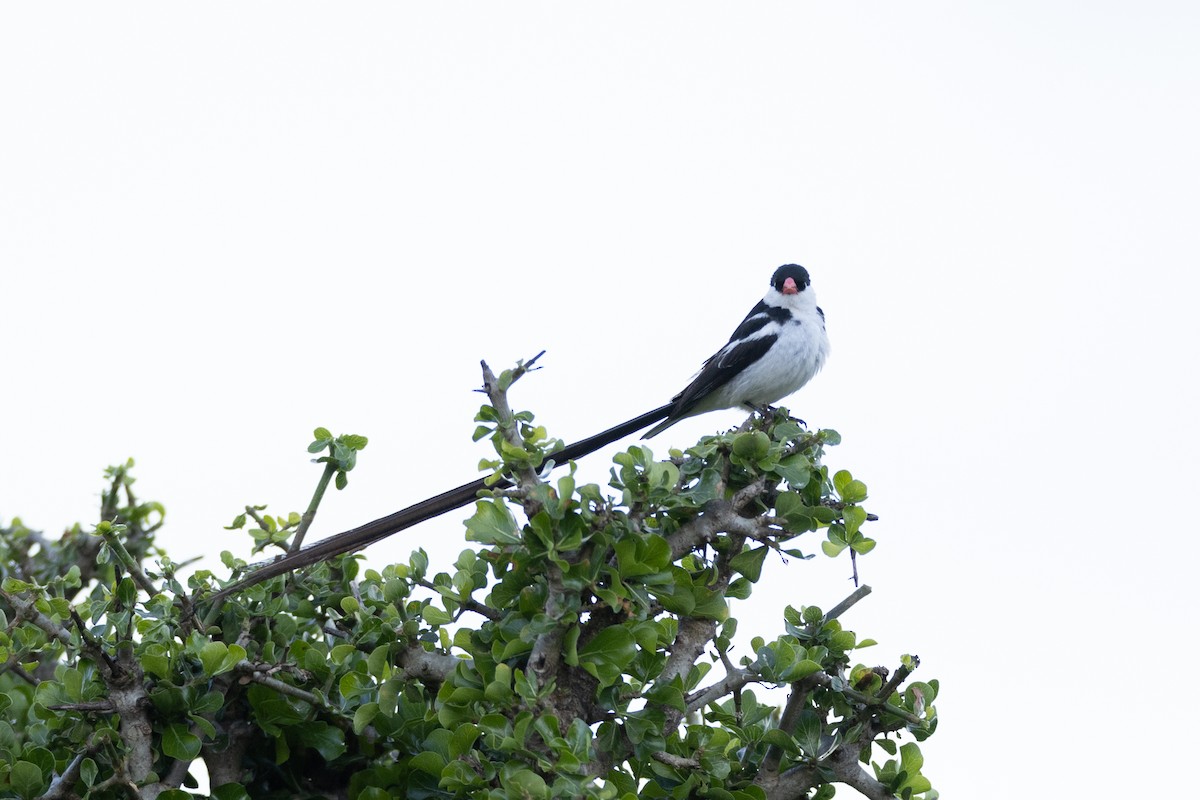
x=778 y=347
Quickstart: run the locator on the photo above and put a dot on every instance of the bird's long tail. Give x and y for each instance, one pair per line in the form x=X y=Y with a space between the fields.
x=371 y=532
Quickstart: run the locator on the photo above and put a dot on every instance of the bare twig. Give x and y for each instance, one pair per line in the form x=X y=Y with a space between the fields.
x=732 y=682
x=847 y=604
x=255 y=674
x=468 y=603
x=310 y=513
x=678 y=762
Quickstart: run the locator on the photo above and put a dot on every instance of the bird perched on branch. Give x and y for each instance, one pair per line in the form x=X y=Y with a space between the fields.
x=778 y=347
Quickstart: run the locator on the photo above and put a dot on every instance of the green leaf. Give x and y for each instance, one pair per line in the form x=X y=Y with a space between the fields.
x=492 y=523
x=808 y=732
x=88 y=771
x=795 y=512
x=800 y=669
x=26 y=779
x=832 y=550
x=363 y=716
x=463 y=740
x=436 y=616
x=207 y=703
x=524 y=784
x=379 y=663
x=608 y=654
x=795 y=469
x=854 y=492
x=853 y=518
x=707 y=488
x=212 y=657
x=428 y=762
x=179 y=743
x=322 y=737
x=749 y=562
x=751 y=446
x=862 y=546
x=322 y=433
x=229 y=791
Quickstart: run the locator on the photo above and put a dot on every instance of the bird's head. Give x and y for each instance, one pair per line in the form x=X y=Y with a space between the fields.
x=790 y=279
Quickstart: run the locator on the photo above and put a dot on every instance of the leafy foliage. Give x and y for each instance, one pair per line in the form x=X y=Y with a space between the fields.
x=569 y=653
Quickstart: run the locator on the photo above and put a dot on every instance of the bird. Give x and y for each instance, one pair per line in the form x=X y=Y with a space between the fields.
x=777 y=349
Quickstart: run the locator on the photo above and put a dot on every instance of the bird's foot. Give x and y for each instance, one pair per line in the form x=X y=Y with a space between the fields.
x=768 y=412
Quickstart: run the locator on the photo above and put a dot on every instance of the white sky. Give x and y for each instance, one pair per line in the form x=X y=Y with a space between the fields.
x=224 y=225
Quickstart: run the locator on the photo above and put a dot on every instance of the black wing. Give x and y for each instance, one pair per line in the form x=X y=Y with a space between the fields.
x=721 y=368
x=760 y=316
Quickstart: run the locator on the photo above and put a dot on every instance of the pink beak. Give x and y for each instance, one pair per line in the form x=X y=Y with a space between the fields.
x=789 y=287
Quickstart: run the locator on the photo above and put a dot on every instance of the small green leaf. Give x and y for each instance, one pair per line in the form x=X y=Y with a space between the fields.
x=832 y=550
x=179 y=743
x=795 y=469
x=363 y=715
x=212 y=656
x=229 y=791
x=862 y=545
x=800 y=669
x=524 y=784
x=26 y=779
x=853 y=518
x=379 y=663
x=493 y=523
x=854 y=492
x=88 y=771
x=436 y=616
x=749 y=562
x=751 y=446
x=608 y=654
x=322 y=737
x=463 y=740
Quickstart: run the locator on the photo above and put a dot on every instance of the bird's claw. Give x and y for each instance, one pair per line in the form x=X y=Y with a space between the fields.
x=767 y=411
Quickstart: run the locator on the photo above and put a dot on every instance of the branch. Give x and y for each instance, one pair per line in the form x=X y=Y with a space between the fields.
x=902 y=672
x=878 y=701
x=255 y=674
x=13 y=665
x=61 y=788
x=787 y=724
x=27 y=610
x=732 y=682
x=847 y=770
x=693 y=636
x=545 y=657
x=847 y=604
x=420 y=664
x=527 y=476
x=94 y=706
x=310 y=513
x=678 y=762
x=376 y=530
x=468 y=603
x=126 y=689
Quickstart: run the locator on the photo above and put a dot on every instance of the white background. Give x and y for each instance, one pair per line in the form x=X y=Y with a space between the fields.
x=224 y=225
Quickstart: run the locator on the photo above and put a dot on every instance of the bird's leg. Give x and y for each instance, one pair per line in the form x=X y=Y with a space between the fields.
x=767 y=411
